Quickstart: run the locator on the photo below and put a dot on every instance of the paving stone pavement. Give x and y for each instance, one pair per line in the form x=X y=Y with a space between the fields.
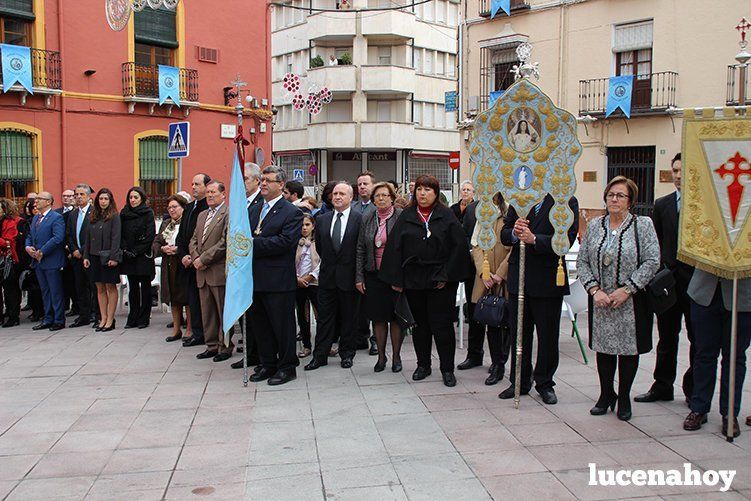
x=124 y=415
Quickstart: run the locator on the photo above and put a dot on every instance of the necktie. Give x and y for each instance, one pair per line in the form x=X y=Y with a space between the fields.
x=79 y=223
x=209 y=217
x=537 y=209
x=678 y=202
x=265 y=210
x=336 y=237
x=39 y=221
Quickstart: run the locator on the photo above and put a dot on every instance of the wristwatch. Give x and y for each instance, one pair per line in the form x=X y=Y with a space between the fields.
x=630 y=290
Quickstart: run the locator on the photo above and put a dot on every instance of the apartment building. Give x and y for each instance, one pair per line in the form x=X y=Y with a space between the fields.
x=680 y=51
x=394 y=63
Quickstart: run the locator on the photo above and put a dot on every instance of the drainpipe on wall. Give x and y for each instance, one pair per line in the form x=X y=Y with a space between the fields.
x=267 y=36
x=63 y=109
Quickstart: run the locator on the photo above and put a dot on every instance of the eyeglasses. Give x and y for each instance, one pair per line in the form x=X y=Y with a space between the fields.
x=617 y=196
x=267 y=181
x=382 y=195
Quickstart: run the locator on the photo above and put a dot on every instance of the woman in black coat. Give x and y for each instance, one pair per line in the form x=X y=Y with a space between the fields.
x=427 y=255
x=138 y=233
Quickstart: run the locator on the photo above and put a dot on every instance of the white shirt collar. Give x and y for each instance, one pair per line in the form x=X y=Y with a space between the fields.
x=345 y=212
x=253 y=195
x=46 y=212
x=216 y=209
x=274 y=200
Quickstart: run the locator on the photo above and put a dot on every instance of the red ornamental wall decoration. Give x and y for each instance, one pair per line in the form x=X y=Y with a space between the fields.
x=313 y=101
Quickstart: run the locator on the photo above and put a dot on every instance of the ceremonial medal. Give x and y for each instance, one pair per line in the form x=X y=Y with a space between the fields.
x=378 y=243
x=607 y=260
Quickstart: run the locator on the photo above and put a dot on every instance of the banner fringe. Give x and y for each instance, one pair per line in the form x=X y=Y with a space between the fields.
x=714 y=270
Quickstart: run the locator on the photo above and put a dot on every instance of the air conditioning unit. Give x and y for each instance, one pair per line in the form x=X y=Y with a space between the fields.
x=473 y=104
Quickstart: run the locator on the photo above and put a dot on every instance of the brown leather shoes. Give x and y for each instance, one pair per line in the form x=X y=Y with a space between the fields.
x=694 y=421
x=736 y=428
x=748 y=421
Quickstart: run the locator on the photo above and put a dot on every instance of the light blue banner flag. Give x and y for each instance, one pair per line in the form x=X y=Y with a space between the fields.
x=497 y=5
x=619 y=95
x=494 y=97
x=169 y=84
x=239 y=289
x=16 y=67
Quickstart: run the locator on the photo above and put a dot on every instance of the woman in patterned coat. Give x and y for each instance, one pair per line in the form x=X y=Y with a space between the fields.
x=618 y=257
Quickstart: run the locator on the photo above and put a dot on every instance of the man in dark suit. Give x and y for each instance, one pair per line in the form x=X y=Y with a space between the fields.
x=252 y=178
x=338 y=300
x=69 y=282
x=76 y=230
x=276 y=227
x=669 y=323
x=184 y=234
x=45 y=244
x=364 y=205
x=543 y=298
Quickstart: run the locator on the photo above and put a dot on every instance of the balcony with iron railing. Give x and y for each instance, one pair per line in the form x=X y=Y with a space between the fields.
x=516 y=5
x=46 y=77
x=141 y=84
x=653 y=94
x=734 y=84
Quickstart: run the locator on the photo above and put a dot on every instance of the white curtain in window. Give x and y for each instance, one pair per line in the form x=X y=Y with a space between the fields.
x=440 y=11
x=383 y=111
x=451 y=120
x=453 y=14
x=451 y=65
x=633 y=36
x=418 y=60
x=427 y=115
x=440 y=116
x=429 y=10
x=384 y=55
x=417 y=106
x=428 y=68
x=440 y=63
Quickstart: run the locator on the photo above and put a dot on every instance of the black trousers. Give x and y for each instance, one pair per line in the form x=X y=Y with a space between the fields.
x=336 y=308
x=302 y=296
x=542 y=314
x=272 y=317
x=12 y=295
x=139 y=300
x=669 y=325
x=194 y=305
x=251 y=350
x=712 y=328
x=83 y=289
x=433 y=310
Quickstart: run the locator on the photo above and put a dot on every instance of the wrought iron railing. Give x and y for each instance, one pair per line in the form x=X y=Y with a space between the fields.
x=45 y=69
x=653 y=93
x=141 y=80
x=734 y=85
x=485 y=6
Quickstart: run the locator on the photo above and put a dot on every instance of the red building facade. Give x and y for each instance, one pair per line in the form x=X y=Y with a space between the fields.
x=94 y=116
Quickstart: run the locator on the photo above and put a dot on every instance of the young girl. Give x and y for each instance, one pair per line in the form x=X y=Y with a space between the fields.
x=307 y=264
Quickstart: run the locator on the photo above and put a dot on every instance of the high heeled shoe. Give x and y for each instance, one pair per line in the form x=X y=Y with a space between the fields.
x=110 y=328
x=601 y=407
x=396 y=366
x=380 y=365
x=624 y=409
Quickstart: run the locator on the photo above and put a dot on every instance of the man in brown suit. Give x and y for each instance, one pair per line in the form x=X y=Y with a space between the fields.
x=208 y=250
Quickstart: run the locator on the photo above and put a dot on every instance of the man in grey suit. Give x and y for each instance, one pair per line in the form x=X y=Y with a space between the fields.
x=711 y=300
x=364 y=205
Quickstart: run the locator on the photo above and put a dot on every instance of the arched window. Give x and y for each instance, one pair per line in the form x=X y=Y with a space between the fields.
x=157 y=174
x=18 y=163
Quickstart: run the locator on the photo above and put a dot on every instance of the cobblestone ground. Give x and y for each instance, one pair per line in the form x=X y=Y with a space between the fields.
x=123 y=415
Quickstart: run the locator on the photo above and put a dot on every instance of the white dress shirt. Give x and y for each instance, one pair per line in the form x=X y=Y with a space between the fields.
x=345 y=218
x=253 y=196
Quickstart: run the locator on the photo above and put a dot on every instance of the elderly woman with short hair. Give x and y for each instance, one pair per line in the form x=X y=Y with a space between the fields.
x=618 y=257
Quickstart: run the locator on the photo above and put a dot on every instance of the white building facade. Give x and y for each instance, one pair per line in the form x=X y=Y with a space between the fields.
x=394 y=64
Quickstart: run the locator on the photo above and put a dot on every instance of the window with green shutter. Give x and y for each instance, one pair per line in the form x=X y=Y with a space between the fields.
x=152 y=159
x=156 y=27
x=23 y=9
x=18 y=163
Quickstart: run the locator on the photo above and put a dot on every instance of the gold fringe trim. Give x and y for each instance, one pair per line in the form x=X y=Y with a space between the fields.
x=560 y=279
x=714 y=270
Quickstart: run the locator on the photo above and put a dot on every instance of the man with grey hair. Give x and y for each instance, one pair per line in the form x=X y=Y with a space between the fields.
x=336 y=242
x=76 y=233
x=276 y=227
x=252 y=184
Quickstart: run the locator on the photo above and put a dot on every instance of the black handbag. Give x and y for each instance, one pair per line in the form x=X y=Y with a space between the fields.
x=660 y=291
x=490 y=310
x=403 y=313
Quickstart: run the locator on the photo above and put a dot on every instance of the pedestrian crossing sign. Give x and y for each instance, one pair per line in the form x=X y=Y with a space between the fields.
x=178 y=142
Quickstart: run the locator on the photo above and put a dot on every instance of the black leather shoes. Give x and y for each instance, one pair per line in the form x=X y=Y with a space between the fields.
x=509 y=393
x=79 y=322
x=177 y=336
x=261 y=375
x=282 y=376
x=548 y=396
x=41 y=326
x=314 y=364
x=221 y=357
x=421 y=373
x=346 y=363
x=191 y=341
x=130 y=326
x=449 y=379
x=239 y=365
x=397 y=367
x=380 y=365
x=57 y=327
x=653 y=396
x=468 y=364
x=601 y=407
x=207 y=354
x=373 y=348
x=11 y=323
x=496 y=374
x=143 y=326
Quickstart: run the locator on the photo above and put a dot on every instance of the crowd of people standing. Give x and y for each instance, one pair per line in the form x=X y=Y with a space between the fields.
x=371 y=268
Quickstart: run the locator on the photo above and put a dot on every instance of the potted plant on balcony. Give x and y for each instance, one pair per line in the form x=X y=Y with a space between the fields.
x=316 y=62
x=345 y=59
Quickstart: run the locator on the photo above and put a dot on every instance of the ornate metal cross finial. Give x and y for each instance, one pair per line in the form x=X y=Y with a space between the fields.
x=525 y=70
x=743 y=27
x=238 y=84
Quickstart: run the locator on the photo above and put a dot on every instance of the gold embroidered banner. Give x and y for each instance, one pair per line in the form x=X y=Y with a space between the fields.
x=715 y=227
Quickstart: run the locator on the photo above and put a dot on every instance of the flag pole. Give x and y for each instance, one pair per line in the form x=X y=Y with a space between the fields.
x=519 y=325
x=733 y=354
